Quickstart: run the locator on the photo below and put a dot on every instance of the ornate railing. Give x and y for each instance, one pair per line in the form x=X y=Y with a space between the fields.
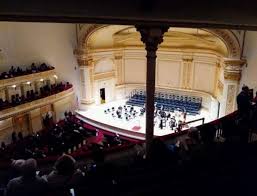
x=6 y=113
x=25 y=78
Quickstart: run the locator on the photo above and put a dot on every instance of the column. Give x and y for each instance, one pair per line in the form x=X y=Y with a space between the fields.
x=86 y=66
x=86 y=82
x=119 y=73
x=187 y=75
x=232 y=76
x=151 y=37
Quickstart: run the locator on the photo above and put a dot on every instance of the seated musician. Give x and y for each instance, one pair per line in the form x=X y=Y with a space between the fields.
x=172 y=123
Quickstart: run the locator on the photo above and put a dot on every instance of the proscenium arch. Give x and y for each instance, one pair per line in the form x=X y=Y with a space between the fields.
x=227 y=36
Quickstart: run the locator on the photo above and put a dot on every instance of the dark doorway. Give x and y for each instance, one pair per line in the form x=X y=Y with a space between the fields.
x=102 y=95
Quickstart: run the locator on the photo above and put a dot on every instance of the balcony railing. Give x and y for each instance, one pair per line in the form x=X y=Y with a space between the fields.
x=25 y=78
x=6 y=113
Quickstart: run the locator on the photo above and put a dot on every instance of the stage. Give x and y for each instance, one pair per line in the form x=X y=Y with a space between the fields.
x=133 y=128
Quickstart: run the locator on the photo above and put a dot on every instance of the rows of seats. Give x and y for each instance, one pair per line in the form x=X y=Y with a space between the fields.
x=170 y=102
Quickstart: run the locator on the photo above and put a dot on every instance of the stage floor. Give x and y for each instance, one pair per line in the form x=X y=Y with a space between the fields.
x=134 y=128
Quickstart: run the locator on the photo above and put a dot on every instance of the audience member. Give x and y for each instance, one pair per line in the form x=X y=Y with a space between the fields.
x=244 y=102
x=65 y=174
x=14 y=72
x=27 y=184
x=255 y=98
x=20 y=135
x=14 y=137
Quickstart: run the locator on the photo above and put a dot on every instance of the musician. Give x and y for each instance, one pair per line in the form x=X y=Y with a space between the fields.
x=161 y=124
x=120 y=108
x=172 y=123
x=180 y=125
x=184 y=116
x=168 y=116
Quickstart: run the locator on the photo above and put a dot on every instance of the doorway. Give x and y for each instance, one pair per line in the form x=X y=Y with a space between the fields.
x=102 y=95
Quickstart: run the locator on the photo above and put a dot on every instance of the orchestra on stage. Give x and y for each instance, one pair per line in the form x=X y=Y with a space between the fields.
x=173 y=120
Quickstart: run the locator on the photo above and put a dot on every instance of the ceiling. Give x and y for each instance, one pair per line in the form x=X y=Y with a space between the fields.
x=240 y=14
x=175 y=39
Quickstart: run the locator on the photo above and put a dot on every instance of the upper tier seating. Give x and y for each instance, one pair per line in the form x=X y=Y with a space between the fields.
x=15 y=72
x=170 y=102
x=45 y=91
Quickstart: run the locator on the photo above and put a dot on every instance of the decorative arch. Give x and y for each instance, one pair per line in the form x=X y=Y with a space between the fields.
x=227 y=36
x=230 y=39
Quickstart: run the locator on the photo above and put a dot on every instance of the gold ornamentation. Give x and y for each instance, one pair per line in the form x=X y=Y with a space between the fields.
x=230 y=40
x=235 y=76
x=233 y=68
x=220 y=87
x=230 y=98
x=187 y=70
x=105 y=75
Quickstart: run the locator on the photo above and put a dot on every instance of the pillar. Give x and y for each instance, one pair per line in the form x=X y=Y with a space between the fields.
x=86 y=84
x=187 y=76
x=232 y=74
x=86 y=66
x=151 y=37
x=119 y=73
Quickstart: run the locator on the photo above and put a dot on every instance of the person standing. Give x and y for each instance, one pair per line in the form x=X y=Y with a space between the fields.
x=244 y=114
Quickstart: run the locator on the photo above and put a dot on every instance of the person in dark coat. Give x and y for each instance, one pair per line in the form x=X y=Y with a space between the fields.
x=244 y=102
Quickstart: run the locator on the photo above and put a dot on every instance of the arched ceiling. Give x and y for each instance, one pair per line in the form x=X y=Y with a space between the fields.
x=175 y=39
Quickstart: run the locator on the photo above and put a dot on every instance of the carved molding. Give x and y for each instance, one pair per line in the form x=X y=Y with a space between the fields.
x=233 y=68
x=187 y=71
x=229 y=39
x=235 y=76
x=104 y=75
x=220 y=87
x=85 y=62
x=151 y=37
x=86 y=30
x=230 y=99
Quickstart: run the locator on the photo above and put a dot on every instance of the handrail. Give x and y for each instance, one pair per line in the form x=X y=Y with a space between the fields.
x=192 y=121
x=26 y=77
x=6 y=113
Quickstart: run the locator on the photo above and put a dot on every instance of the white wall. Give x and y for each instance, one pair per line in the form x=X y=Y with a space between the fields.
x=24 y=43
x=249 y=73
x=168 y=73
x=135 y=70
x=104 y=65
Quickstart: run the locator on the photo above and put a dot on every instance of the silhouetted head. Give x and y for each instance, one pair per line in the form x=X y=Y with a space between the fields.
x=245 y=89
x=29 y=168
x=65 y=165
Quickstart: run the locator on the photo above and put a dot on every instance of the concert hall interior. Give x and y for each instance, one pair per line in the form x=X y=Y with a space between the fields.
x=137 y=90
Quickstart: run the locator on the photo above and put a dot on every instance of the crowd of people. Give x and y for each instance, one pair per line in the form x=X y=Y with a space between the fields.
x=67 y=136
x=199 y=147
x=32 y=95
x=14 y=72
x=61 y=139
x=26 y=180
x=174 y=120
